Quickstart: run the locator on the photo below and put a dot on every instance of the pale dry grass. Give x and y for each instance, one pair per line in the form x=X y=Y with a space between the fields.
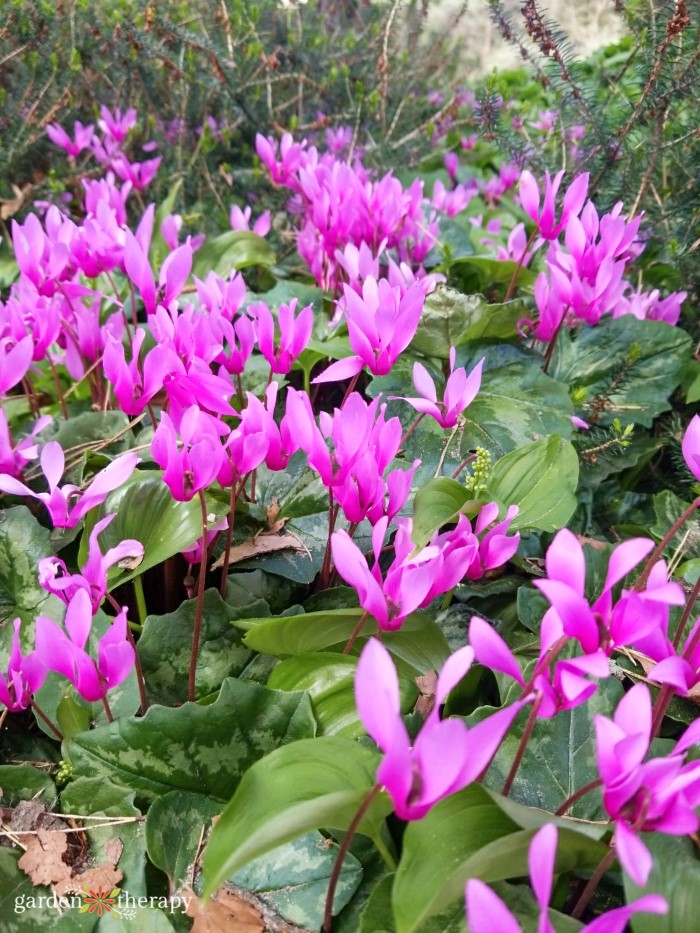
x=589 y=24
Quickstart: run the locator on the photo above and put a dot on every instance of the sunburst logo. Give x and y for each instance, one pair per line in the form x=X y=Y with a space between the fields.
x=100 y=901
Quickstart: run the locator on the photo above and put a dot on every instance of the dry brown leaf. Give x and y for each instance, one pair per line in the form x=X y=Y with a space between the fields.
x=595 y=543
x=43 y=858
x=10 y=206
x=113 y=850
x=272 y=512
x=263 y=543
x=224 y=913
x=48 y=856
x=103 y=876
x=29 y=815
x=426 y=683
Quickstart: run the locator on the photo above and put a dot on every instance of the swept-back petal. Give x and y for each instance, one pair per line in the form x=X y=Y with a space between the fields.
x=486 y=912
x=377 y=694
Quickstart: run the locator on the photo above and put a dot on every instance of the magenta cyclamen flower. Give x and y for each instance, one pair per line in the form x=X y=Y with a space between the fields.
x=381 y=324
x=82 y=137
x=545 y=218
x=486 y=912
x=294 y=333
x=691 y=447
x=114 y=125
x=606 y=624
x=25 y=675
x=660 y=795
x=65 y=512
x=15 y=360
x=64 y=651
x=54 y=576
x=194 y=463
x=240 y=220
x=445 y=757
x=408 y=583
x=565 y=686
x=14 y=456
x=460 y=392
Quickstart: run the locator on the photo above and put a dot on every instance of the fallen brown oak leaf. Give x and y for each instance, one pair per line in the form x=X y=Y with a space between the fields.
x=43 y=857
x=235 y=910
x=48 y=859
x=224 y=911
x=426 y=683
x=264 y=542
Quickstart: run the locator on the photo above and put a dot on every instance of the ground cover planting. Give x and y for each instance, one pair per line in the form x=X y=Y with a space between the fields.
x=348 y=555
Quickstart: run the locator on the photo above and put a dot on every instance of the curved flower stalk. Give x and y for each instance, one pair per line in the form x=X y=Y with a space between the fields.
x=65 y=512
x=446 y=756
x=486 y=912
x=54 y=576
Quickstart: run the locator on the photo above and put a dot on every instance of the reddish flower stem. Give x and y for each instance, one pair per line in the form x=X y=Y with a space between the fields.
x=199 y=610
x=663 y=543
x=107 y=709
x=577 y=795
x=511 y=285
x=229 y=534
x=355 y=632
x=42 y=715
x=411 y=428
x=342 y=852
x=688 y=608
x=527 y=733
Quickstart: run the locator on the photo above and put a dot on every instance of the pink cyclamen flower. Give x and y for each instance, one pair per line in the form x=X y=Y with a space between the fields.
x=82 y=136
x=25 y=675
x=606 y=624
x=193 y=464
x=138 y=174
x=486 y=912
x=460 y=392
x=14 y=456
x=240 y=220
x=54 y=576
x=294 y=333
x=545 y=218
x=65 y=512
x=15 y=360
x=114 y=125
x=556 y=685
x=381 y=324
x=691 y=446
x=64 y=651
x=659 y=795
x=446 y=756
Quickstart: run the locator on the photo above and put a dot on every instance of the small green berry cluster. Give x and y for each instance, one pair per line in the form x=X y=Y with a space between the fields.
x=65 y=771
x=481 y=470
